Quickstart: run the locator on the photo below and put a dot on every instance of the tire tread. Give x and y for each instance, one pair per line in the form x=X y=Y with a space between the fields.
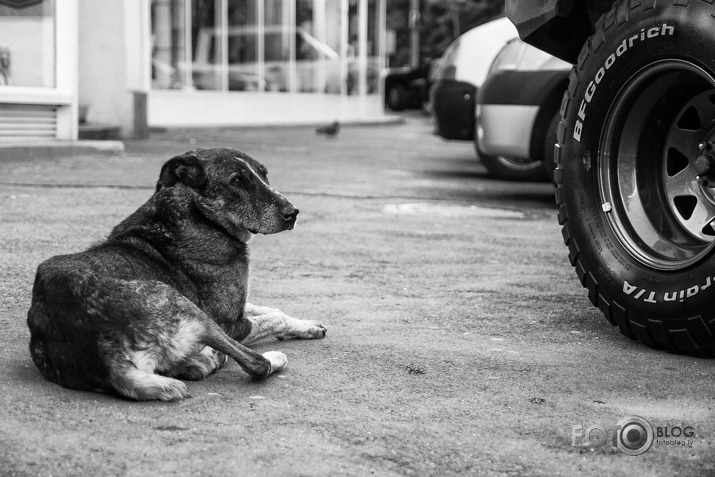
x=695 y=335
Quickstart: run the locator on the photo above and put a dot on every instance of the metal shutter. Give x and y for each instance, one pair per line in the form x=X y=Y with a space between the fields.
x=27 y=121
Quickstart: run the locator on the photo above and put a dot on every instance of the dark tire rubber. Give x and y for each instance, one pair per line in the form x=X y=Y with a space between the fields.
x=396 y=97
x=511 y=169
x=549 y=142
x=661 y=296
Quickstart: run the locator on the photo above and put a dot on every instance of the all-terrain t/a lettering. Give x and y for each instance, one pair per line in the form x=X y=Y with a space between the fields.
x=653 y=297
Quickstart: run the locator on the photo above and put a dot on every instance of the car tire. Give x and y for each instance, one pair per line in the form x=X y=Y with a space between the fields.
x=396 y=97
x=510 y=168
x=636 y=172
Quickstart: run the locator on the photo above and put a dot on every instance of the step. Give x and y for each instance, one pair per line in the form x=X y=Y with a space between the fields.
x=98 y=131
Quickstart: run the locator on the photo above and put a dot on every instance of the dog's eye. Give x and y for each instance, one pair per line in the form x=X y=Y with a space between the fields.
x=235 y=179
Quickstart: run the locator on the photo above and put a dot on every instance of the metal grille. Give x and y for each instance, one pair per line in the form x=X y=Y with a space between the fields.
x=27 y=121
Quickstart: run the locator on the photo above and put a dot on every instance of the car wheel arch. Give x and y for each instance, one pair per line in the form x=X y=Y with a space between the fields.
x=550 y=106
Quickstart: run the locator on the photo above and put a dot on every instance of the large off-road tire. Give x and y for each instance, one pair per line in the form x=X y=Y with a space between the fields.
x=636 y=171
x=549 y=142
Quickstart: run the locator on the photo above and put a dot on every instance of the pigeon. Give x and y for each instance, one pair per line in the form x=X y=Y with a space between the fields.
x=330 y=130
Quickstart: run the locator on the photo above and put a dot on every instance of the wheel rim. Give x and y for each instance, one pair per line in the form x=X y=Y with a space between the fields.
x=519 y=164
x=658 y=199
x=690 y=196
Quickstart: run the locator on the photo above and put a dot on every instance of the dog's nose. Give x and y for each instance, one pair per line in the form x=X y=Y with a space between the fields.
x=289 y=212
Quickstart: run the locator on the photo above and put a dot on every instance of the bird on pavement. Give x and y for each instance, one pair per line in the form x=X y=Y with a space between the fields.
x=330 y=130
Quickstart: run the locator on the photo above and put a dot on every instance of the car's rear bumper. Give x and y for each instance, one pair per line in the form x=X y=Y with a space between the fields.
x=453 y=108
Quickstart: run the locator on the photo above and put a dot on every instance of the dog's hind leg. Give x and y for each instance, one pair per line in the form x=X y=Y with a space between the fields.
x=133 y=375
x=269 y=322
x=201 y=365
x=255 y=364
x=145 y=385
x=151 y=331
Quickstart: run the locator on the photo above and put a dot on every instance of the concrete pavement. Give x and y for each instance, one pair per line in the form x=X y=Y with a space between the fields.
x=459 y=340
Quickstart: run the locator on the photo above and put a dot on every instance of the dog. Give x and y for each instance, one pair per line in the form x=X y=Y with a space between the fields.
x=163 y=298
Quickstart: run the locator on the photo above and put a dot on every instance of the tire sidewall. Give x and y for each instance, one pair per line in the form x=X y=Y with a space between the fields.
x=551 y=139
x=635 y=286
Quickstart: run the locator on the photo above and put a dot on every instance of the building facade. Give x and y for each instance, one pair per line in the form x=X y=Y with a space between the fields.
x=173 y=63
x=38 y=70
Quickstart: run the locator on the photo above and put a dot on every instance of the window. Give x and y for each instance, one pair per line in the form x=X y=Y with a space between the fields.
x=23 y=62
x=265 y=45
x=168 y=66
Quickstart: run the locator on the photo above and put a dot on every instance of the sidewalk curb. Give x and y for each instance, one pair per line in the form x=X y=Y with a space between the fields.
x=376 y=121
x=52 y=149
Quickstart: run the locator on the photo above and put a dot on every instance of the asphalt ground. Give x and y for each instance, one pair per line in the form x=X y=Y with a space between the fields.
x=459 y=339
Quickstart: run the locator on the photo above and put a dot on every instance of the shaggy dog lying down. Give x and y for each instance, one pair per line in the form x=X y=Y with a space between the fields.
x=163 y=298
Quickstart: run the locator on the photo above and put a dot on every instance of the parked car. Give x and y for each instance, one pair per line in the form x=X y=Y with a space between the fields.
x=461 y=70
x=635 y=160
x=407 y=87
x=518 y=112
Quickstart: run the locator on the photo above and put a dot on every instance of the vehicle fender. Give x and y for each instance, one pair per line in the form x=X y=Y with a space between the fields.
x=559 y=27
x=551 y=104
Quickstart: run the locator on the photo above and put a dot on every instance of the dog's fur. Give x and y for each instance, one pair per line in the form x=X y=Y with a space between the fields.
x=164 y=296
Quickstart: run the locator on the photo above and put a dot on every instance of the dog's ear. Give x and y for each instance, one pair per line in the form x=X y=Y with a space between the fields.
x=186 y=169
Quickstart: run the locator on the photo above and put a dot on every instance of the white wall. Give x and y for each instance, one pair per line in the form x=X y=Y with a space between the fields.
x=213 y=108
x=111 y=59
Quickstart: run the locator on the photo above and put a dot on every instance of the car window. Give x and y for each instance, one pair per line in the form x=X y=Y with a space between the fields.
x=212 y=50
x=241 y=48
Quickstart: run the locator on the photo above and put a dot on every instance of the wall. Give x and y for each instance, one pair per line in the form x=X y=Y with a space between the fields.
x=111 y=59
x=214 y=108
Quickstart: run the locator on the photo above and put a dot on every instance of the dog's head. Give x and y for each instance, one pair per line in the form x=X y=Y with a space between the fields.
x=231 y=190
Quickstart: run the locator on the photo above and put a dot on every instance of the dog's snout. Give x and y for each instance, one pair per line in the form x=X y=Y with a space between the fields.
x=289 y=212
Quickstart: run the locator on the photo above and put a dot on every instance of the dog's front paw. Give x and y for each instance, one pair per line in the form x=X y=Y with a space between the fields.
x=171 y=390
x=305 y=329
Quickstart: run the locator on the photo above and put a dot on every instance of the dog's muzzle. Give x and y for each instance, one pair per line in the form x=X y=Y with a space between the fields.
x=290 y=215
